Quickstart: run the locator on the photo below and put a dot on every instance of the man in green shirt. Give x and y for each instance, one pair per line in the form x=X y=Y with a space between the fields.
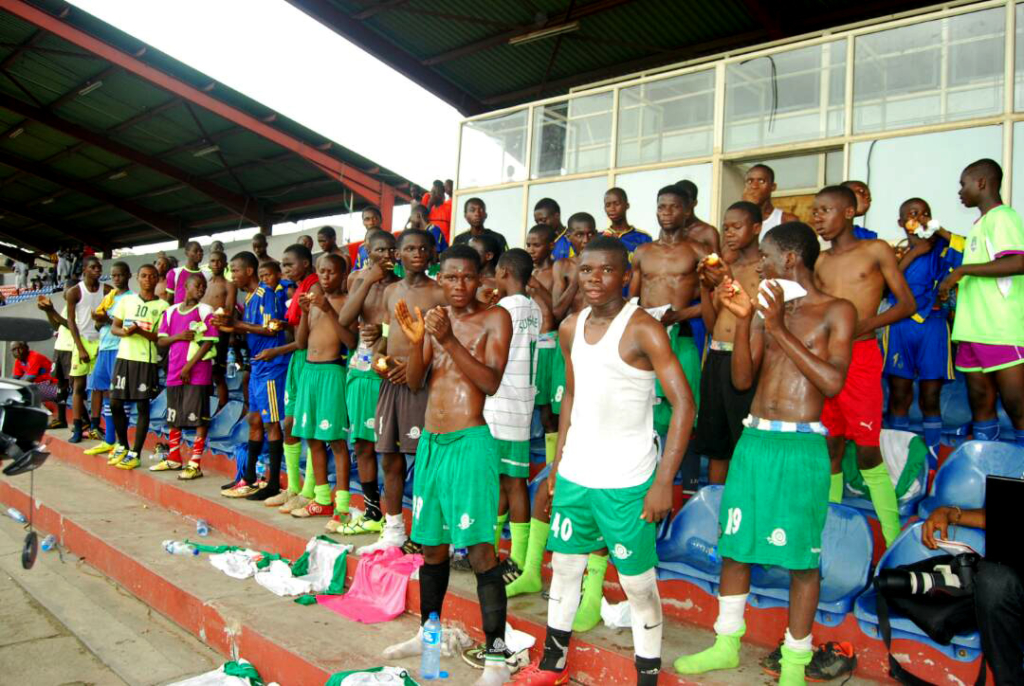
x=989 y=322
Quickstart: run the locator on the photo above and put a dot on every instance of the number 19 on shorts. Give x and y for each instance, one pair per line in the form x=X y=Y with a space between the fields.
x=732 y=520
x=561 y=527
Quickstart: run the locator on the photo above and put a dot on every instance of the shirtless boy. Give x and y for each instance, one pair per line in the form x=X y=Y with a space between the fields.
x=775 y=500
x=489 y=251
x=540 y=243
x=859 y=271
x=220 y=295
x=758 y=186
x=455 y=495
x=400 y=409
x=607 y=487
x=723 y=408
x=665 y=273
x=365 y=305
x=319 y=416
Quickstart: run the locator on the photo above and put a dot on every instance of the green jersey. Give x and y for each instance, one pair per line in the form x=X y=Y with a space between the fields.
x=132 y=309
x=988 y=310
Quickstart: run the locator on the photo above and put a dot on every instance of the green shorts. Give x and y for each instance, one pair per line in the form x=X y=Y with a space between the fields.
x=775 y=500
x=547 y=349
x=455 y=491
x=80 y=368
x=689 y=359
x=513 y=458
x=291 y=382
x=557 y=377
x=584 y=520
x=361 y=398
x=319 y=413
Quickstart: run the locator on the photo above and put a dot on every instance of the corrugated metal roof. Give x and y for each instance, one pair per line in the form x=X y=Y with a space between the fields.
x=64 y=110
x=459 y=48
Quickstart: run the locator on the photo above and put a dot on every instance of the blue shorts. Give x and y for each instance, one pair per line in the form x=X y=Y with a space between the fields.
x=266 y=396
x=918 y=350
x=103 y=372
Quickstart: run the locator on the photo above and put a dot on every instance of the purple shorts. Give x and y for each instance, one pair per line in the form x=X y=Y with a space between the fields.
x=986 y=357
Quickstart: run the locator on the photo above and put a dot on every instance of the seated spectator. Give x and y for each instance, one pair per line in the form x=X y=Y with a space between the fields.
x=35 y=368
x=998 y=598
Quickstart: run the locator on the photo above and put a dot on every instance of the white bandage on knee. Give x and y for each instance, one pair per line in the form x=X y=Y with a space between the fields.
x=804 y=644
x=730 y=613
x=645 y=612
x=564 y=594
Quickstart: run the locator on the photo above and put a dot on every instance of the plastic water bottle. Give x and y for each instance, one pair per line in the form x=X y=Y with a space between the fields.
x=231 y=368
x=202 y=528
x=48 y=543
x=179 y=548
x=703 y=554
x=430 y=660
x=15 y=514
x=261 y=471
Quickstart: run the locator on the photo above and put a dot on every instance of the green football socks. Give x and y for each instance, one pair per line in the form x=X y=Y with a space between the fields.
x=835 y=488
x=502 y=519
x=883 y=497
x=307 y=491
x=793 y=664
x=589 y=614
x=341 y=499
x=322 y=494
x=529 y=581
x=292 y=458
x=520 y=541
x=725 y=654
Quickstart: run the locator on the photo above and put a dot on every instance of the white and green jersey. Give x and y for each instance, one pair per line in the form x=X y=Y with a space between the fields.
x=132 y=309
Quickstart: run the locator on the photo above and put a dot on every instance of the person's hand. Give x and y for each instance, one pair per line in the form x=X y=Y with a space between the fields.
x=438 y=324
x=414 y=328
x=670 y=317
x=266 y=355
x=132 y=329
x=369 y=334
x=657 y=502
x=44 y=303
x=83 y=354
x=182 y=336
x=735 y=299
x=396 y=374
x=939 y=520
x=99 y=318
x=949 y=283
x=490 y=297
x=713 y=274
x=380 y=366
x=221 y=321
x=317 y=298
x=376 y=271
x=774 y=311
x=186 y=373
x=552 y=481
x=304 y=302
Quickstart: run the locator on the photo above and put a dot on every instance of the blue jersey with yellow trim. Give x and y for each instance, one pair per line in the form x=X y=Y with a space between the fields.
x=563 y=248
x=261 y=306
x=633 y=239
x=927 y=271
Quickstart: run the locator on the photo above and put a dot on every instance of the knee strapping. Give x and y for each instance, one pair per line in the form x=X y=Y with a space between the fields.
x=566 y=578
x=645 y=609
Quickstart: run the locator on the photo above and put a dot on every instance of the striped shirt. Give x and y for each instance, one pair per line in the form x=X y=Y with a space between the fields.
x=510 y=410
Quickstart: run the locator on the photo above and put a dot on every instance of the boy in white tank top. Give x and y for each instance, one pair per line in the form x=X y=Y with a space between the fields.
x=606 y=485
x=82 y=300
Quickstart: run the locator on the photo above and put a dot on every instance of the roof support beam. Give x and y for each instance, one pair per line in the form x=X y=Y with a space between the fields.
x=381 y=6
x=55 y=224
x=32 y=245
x=237 y=203
x=162 y=223
x=354 y=179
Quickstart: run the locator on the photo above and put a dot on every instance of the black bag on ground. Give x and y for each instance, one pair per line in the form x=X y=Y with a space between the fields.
x=937 y=595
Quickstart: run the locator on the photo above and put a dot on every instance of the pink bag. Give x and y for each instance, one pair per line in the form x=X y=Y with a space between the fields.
x=377 y=593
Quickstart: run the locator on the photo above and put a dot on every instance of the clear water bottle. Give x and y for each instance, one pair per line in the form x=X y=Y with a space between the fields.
x=364 y=357
x=179 y=548
x=261 y=470
x=48 y=544
x=703 y=554
x=15 y=514
x=202 y=527
x=430 y=660
x=231 y=367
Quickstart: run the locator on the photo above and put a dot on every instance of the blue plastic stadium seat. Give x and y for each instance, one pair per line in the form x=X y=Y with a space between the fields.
x=238 y=436
x=234 y=383
x=688 y=549
x=158 y=414
x=907 y=504
x=908 y=549
x=961 y=479
x=534 y=484
x=846 y=549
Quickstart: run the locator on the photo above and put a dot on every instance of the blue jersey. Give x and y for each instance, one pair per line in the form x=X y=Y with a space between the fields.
x=863 y=234
x=362 y=257
x=563 y=248
x=261 y=306
x=633 y=239
x=927 y=271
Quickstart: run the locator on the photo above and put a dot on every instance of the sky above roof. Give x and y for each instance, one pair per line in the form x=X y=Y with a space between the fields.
x=281 y=57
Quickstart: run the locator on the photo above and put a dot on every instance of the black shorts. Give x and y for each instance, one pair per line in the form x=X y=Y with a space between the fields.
x=61 y=365
x=135 y=380
x=188 y=406
x=722 y=408
x=220 y=361
x=400 y=416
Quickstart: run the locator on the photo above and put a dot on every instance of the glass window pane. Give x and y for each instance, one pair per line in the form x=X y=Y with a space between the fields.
x=926 y=166
x=669 y=119
x=504 y=214
x=938 y=71
x=790 y=96
x=573 y=136
x=578 y=195
x=791 y=173
x=834 y=167
x=1018 y=97
x=493 y=150
x=642 y=188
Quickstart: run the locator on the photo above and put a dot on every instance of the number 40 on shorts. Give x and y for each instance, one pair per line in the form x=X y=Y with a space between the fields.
x=561 y=527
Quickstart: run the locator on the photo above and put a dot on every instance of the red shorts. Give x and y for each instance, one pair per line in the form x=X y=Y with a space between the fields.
x=856 y=413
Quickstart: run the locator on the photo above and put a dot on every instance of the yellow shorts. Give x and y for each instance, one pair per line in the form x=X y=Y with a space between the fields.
x=80 y=368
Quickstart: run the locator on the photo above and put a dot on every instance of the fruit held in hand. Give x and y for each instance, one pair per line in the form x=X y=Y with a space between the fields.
x=382 y=364
x=712 y=259
x=912 y=225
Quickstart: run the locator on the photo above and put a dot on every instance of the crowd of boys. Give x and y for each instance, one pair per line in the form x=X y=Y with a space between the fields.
x=768 y=347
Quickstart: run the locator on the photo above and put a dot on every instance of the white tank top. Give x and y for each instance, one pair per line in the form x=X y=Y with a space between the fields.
x=610 y=443
x=87 y=304
x=773 y=220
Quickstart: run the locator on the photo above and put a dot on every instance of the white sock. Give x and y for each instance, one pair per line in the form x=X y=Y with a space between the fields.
x=564 y=594
x=802 y=645
x=645 y=612
x=414 y=646
x=730 y=613
x=494 y=675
